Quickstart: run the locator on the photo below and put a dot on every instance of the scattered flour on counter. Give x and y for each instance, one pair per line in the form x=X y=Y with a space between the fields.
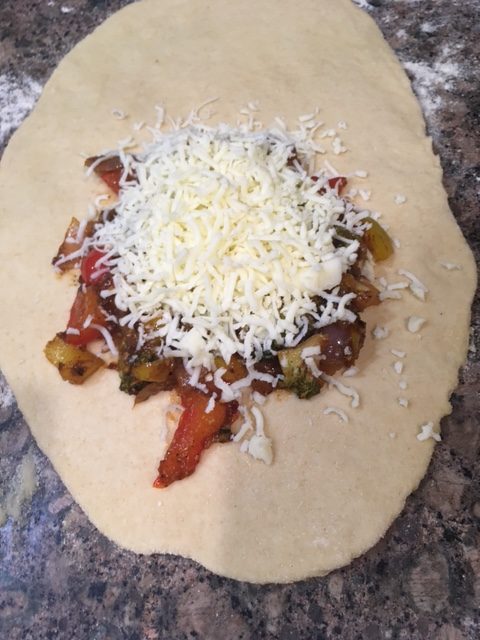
x=430 y=79
x=428 y=27
x=6 y=395
x=472 y=347
x=363 y=4
x=18 y=96
x=17 y=494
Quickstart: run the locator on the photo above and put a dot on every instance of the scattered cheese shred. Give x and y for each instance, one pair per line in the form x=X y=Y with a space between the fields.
x=211 y=403
x=380 y=332
x=338 y=147
x=450 y=266
x=338 y=412
x=428 y=432
x=311 y=364
x=400 y=199
x=398 y=367
x=308 y=352
x=244 y=446
x=260 y=448
x=344 y=390
x=328 y=133
x=415 y=323
x=245 y=427
x=416 y=286
x=258 y=398
x=397 y=285
x=386 y=294
x=107 y=336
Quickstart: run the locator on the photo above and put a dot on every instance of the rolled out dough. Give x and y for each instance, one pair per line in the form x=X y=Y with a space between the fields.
x=334 y=488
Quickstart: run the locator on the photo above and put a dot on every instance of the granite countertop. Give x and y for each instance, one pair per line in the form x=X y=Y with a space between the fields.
x=60 y=578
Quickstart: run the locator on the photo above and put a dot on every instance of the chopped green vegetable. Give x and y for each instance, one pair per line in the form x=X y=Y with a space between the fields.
x=297 y=376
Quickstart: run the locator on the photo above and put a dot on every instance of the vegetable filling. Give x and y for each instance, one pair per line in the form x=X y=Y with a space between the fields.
x=224 y=271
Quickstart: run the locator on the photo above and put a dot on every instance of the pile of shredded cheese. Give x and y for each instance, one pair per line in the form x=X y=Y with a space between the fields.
x=223 y=243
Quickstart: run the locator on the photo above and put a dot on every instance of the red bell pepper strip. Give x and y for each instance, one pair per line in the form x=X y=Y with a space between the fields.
x=193 y=434
x=112 y=179
x=71 y=245
x=85 y=307
x=90 y=271
x=338 y=183
x=108 y=169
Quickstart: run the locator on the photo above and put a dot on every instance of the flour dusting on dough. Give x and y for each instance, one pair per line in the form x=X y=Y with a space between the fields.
x=18 y=95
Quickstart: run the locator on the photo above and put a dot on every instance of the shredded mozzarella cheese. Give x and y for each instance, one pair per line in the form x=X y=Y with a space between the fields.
x=416 y=286
x=223 y=239
x=428 y=432
x=398 y=367
x=380 y=332
x=211 y=403
x=338 y=412
x=344 y=390
x=386 y=294
x=308 y=352
x=451 y=266
x=415 y=323
x=107 y=336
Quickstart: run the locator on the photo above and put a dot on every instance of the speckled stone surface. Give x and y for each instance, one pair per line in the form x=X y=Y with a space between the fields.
x=60 y=578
